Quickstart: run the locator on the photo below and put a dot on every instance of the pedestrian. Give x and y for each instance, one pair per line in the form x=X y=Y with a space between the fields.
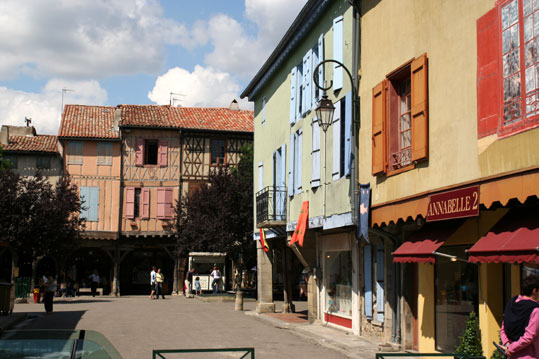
x=159 y=278
x=152 y=283
x=216 y=275
x=189 y=282
x=198 y=289
x=49 y=287
x=520 y=327
x=94 y=279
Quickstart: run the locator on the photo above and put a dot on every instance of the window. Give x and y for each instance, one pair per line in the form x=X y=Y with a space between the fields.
x=400 y=119
x=104 y=153
x=342 y=135
x=374 y=253
x=165 y=207
x=509 y=73
x=151 y=152
x=294 y=163
x=10 y=160
x=137 y=202
x=218 y=152
x=315 y=154
x=338 y=283
x=337 y=52
x=74 y=153
x=279 y=182
x=260 y=176
x=90 y=207
x=43 y=162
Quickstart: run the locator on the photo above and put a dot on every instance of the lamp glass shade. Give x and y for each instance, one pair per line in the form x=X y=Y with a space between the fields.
x=324 y=112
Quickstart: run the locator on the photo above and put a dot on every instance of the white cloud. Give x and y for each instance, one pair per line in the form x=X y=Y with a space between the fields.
x=85 y=39
x=44 y=107
x=204 y=87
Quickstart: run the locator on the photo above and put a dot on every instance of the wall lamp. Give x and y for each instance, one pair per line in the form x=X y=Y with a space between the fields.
x=451 y=257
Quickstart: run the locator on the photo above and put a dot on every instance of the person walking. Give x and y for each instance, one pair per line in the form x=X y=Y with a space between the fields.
x=94 y=278
x=152 y=283
x=159 y=278
x=520 y=327
x=49 y=287
x=216 y=275
x=189 y=282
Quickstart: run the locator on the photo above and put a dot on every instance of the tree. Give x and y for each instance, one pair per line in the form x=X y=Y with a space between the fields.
x=470 y=342
x=219 y=216
x=37 y=218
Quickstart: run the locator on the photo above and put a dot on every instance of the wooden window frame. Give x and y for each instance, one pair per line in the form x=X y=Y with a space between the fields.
x=147 y=143
x=225 y=154
x=74 y=157
x=104 y=153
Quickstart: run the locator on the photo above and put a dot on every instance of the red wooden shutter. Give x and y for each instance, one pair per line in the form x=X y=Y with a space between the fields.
x=379 y=114
x=169 y=209
x=420 y=102
x=488 y=81
x=145 y=203
x=130 y=202
x=161 y=211
x=139 y=152
x=162 y=157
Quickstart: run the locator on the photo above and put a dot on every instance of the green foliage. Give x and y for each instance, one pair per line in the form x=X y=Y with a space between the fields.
x=470 y=342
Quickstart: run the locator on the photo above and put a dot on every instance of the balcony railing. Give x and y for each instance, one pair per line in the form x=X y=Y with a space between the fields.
x=271 y=205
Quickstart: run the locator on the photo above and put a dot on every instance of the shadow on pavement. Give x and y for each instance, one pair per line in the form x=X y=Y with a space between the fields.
x=78 y=301
x=55 y=320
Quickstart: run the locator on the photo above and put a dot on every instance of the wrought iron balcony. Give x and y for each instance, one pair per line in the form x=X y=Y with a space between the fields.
x=271 y=207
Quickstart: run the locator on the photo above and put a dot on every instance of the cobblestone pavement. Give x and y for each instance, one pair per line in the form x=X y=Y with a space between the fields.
x=136 y=325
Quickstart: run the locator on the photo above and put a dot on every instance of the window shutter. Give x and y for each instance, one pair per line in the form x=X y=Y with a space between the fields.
x=420 y=119
x=139 y=152
x=337 y=141
x=263 y=109
x=299 y=153
x=321 y=68
x=291 y=166
x=380 y=298
x=161 y=203
x=315 y=154
x=337 y=52
x=307 y=82
x=293 y=96
x=347 y=133
x=367 y=270
x=93 y=214
x=169 y=202
x=300 y=100
x=130 y=202
x=260 y=176
x=280 y=196
x=281 y=182
x=162 y=156
x=379 y=109
x=488 y=82
x=145 y=203
x=84 y=196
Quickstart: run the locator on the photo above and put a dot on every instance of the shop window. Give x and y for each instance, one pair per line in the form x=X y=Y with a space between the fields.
x=400 y=119
x=456 y=296
x=43 y=162
x=218 y=152
x=338 y=283
x=508 y=75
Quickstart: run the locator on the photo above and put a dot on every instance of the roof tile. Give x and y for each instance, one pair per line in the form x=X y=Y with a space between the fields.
x=38 y=143
x=88 y=122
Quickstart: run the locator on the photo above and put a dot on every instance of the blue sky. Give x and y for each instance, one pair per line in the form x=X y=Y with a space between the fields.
x=114 y=52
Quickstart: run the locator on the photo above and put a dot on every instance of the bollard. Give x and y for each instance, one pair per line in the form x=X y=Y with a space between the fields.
x=239 y=301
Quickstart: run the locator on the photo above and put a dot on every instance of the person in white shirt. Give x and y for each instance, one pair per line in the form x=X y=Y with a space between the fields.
x=152 y=283
x=94 y=278
x=216 y=275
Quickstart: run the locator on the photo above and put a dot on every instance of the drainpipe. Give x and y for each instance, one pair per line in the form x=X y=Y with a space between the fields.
x=397 y=295
x=177 y=259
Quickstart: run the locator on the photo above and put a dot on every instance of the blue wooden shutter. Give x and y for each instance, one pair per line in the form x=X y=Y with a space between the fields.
x=293 y=96
x=307 y=81
x=291 y=166
x=84 y=197
x=282 y=170
x=337 y=141
x=320 y=59
x=347 y=133
x=367 y=270
x=300 y=100
x=314 y=89
x=93 y=214
x=299 y=153
x=380 y=299
x=263 y=109
x=260 y=176
x=337 y=52
x=315 y=154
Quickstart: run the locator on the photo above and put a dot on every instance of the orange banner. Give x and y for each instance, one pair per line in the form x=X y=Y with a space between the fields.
x=263 y=242
x=301 y=226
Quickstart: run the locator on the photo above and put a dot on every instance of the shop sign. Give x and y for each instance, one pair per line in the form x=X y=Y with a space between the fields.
x=454 y=204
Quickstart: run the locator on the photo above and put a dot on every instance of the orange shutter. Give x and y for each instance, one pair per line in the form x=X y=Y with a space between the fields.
x=130 y=202
x=420 y=118
x=379 y=115
x=145 y=203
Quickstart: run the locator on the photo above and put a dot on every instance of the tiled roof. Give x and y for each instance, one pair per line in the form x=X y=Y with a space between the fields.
x=203 y=118
x=38 y=143
x=88 y=122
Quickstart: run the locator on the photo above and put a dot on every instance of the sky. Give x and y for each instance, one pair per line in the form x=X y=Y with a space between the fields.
x=110 y=52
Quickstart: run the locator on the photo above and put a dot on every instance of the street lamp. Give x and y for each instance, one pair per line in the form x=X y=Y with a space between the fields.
x=324 y=112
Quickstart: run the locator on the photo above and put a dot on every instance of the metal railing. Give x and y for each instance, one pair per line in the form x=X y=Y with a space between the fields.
x=434 y=355
x=244 y=352
x=271 y=204
x=22 y=287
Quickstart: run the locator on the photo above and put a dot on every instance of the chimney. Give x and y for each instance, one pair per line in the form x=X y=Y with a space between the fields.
x=234 y=106
x=4 y=135
x=117 y=119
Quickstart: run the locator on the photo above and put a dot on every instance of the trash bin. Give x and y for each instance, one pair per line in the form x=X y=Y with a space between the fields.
x=37 y=295
x=7 y=298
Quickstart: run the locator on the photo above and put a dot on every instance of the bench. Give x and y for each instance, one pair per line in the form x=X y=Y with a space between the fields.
x=88 y=291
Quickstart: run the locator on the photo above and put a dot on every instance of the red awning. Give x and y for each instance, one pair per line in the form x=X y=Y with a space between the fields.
x=419 y=248
x=514 y=239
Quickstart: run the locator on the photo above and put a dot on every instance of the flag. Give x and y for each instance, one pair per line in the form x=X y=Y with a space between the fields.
x=363 y=211
x=301 y=226
x=263 y=242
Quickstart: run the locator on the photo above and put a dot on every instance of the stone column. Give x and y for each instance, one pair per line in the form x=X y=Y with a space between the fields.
x=264 y=283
